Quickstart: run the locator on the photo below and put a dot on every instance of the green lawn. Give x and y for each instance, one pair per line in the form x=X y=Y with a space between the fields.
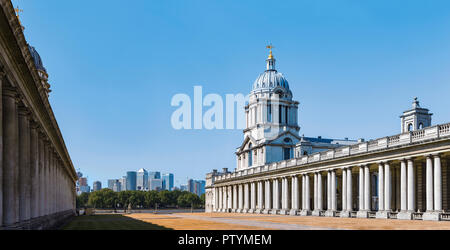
x=109 y=222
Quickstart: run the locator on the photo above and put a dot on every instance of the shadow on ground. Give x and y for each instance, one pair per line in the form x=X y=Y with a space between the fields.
x=109 y=222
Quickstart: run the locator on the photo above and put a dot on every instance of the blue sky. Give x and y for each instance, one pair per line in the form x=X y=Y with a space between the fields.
x=115 y=65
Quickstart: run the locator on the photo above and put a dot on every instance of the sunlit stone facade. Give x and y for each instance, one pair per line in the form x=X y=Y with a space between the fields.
x=37 y=177
x=404 y=176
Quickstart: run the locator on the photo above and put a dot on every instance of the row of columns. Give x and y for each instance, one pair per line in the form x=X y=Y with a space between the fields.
x=272 y=195
x=33 y=181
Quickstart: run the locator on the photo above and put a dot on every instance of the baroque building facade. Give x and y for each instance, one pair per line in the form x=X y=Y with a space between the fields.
x=37 y=177
x=404 y=176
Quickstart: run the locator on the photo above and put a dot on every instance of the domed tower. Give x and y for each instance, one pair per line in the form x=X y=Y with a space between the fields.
x=42 y=72
x=271 y=130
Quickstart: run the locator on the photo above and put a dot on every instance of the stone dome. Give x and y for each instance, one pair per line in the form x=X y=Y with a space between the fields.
x=270 y=79
x=37 y=59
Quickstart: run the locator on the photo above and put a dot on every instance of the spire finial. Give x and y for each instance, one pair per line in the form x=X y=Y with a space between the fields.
x=18 y=10
x=270 y=47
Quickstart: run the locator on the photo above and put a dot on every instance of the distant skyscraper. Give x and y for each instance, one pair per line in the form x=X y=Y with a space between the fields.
x=117 y=187
x=183 y=187
x=167 y=182
x=190 y=185
x=131 y=180
x=199 y=187
x=154 y=175
x=97 y=186
x=123 y=183
x=155 y=184
x=142 y=179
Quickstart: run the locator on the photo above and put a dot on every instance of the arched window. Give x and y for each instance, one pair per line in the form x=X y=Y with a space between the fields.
x=420 y=125
x=410 y=127
x=305 y=153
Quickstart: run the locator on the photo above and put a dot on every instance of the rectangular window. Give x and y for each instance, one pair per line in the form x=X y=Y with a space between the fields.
x=269 y=112
x=286 y=115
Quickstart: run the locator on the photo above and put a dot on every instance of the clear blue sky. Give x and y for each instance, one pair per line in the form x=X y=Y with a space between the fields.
x=115 y=65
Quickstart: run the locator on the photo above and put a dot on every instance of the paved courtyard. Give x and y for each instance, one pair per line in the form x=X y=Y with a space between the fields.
x=227 y=221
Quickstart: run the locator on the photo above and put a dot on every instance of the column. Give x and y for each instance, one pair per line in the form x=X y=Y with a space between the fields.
x=429 y=184
x=294 y=195
x=437 y=184
x=241 y=198
x=41 y=173
x=2 y=80
x=307 y=194
x=411 y=186
x=220 y=200
x=303 y=191
x=315 y=191
x=276 y=198
x=403 y=187
x=260 y=196
x=344 y=189
x=230 y=198
x=235 y=198
x=268 y=198
x=24 y=165
x=387 y=187
x=361 y=188
x=253 y=196
x=349 y=190
x=333 y=190
x=328 y=190
x=319 y=192
x=216 y=199
x=246 y=197
x=380 y=187
x=367 y=206
x=10 y=156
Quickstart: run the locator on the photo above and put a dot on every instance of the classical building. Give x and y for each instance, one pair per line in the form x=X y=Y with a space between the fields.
x=404 y=176
x=37 y=177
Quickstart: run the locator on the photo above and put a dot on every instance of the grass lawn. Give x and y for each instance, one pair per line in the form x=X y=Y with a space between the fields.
x=109 y=222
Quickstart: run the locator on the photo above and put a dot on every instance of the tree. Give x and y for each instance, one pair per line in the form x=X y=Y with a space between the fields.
x=203 y=200
x=82 y=200
x=164 y=197
x=105 y=198
x=188 y=199
x=152 y=198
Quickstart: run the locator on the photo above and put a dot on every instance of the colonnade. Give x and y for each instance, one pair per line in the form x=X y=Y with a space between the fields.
x=34 y=183
x=343 y=192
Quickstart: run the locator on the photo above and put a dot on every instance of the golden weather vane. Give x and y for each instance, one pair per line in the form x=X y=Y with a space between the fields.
x=270 y=47
x=18 y=10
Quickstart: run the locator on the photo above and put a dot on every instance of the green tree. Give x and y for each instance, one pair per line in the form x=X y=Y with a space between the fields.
x=188 y=199
x=203 y=200
x=82 y=200
x=105 y=198
x=165 y=198
x=151 y=199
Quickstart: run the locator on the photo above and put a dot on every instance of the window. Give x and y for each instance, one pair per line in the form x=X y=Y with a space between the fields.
x=286 y=115
x=279 y=114
x=420 y=125
x=269 y=112
x=410 y=127
x=305 y=153
x=287 y=140
x=287 y=153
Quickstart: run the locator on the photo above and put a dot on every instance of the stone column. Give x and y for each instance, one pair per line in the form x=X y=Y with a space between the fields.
x=434 y=186
x=333 y=191
x=380 y=187
x=230 y=198
x=361 y=188
x=2 y=80
x=306 y=208
x=246 y=198
x=315 y=192
x=319 y=198
x=328 y=190
x=387 y=187
x=10 y=156
x=276 y=196
x=235 y=198
x=403 y=187
x=429 y=184
x=241 y=198
x=216 y=199
x=367 y=206
x=41 y=173
x=268 y=197
x=294 y=196
x=411 y=186
x=253 y=197
x=24 y=165
x=34 y=153
x=349 y=190
x=344 y=190
x=220 y=199
x=260 y=197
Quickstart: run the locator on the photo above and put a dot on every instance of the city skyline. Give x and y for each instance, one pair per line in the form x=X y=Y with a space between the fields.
x=379 y=58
